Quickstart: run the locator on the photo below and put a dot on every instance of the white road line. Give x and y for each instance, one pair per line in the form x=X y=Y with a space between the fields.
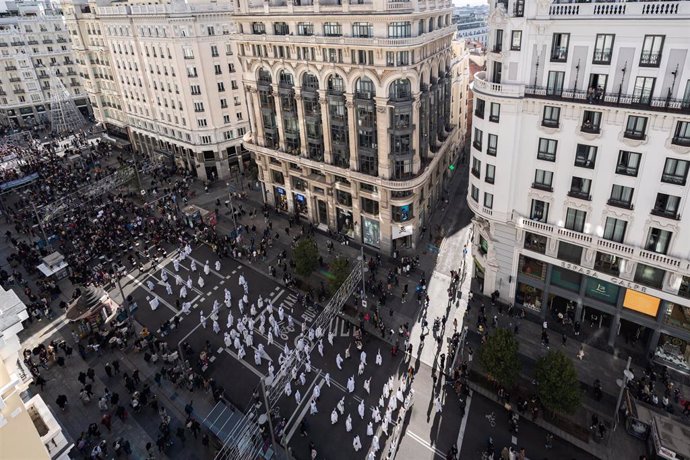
x=277 y=296
x=245 y=364
x=202 y=267
x=423 y=443
x=143 y=286
x=463 y=424
x=303 y=412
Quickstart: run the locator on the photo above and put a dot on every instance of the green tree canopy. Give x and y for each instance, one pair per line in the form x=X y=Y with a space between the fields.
x=340 y=269
x=499 y=357
x=306 y=256
x=559 y=386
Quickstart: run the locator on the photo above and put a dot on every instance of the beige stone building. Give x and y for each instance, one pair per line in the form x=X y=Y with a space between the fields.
x=33 y=43
x=350 y=104
x=166 y=76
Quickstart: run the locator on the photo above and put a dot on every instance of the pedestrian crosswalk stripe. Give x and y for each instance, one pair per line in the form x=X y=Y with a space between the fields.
x=215 y=288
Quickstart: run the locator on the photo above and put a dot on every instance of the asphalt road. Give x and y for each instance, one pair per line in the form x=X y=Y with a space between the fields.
x=240 y=378
x=529 y=436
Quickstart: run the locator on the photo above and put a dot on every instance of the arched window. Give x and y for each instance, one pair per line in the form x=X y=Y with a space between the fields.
x=336 y=85
x=431 y=25
x=265 y=76
x=365 y=88
x=439 y=23
x=400 y=89
x=286 y=79
x=421 y=27
x=309 y=81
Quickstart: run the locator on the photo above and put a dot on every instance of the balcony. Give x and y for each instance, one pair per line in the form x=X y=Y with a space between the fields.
x=620 y=204
x=660 y=212
x=482 y=85
x=590 y=128
x=475 y=172
x=477 y=145
x=673 y=179
x=580 y=195
x=353 y=6
x=550 y=123
x=33 y=42
x=678 y=140
x=544 y=187
x=48 y=41
x=61 y=40
x=19 y=91
x=638 y=10
x=15 y=79
x=10 y=67
x=660 y=104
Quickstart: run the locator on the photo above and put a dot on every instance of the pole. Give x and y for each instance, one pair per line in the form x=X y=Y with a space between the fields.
x=232 y=206
x=136 y=169
x=620 y=393
x=40 y=224
x=268 y=415
x=364 y=287
x=116 y=273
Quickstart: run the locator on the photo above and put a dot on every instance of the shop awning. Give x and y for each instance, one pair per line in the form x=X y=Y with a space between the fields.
x=670 y=438
x=643 y=303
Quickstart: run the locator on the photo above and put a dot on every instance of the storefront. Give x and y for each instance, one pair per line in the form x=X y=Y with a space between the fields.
x=636 y=326
x=528 y=296
x=280 y=199
x=344 y=222
x=402 y=236
x=479 y=275
x=673 y=352
x=669 y=439
x=299 y=202
x=371 y=232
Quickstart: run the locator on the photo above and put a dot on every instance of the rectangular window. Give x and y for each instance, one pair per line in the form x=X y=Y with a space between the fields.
x=585 y=156
x=559 y=47
x=479 y=105
x=495 y=114
x=628 y=163
x=498 y=42
x=651 y=50
x=580 y=188
x=488 y=200
x=658 y=240
x=614 y=229
x=198 y=106
x=649 y=276
x=489 y=176
x=575 y=220
x=399 y=30
x=603 y=49
x=477 y=143
x=543 y=180
x=281 y=28
x=201 y=122
x=554 y=83
x=551 y=117
x=682 y=133
x=362 y=30
x=332 y=29
x=370 y=206
x=258 y=28
x=223 y=103
x=667 y=206
x=591 y=122
x=221 y=87
x=621 y=196
x=476 y=168
x=516 y=40
x=636 y=127
x=539 y=211
x=675 y=171
x=547 y=149
x=475 y=194
x=642 y=92
x=305 y=28
x=492 y=145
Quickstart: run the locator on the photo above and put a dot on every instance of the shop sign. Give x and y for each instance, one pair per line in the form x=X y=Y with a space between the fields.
x=280 y=190
x=611 y=279
x=400 y=231
x=300 y=198
x=371 y=234
x=601 y=290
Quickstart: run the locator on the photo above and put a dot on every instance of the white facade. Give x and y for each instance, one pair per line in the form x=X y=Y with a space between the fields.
x=167 y=76
x=351 y=111
x=580 y=157
x=34 y=42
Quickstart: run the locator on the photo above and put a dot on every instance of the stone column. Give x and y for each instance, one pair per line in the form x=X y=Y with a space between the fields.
x=255 y=119
x=352 y=129
x=279 y=117
x=382 y=141
x=417 y=158
x=325 y=127
x=302 y=122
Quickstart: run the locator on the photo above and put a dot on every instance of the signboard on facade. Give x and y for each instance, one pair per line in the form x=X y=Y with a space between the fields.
x=601 y=290
x=400 y=231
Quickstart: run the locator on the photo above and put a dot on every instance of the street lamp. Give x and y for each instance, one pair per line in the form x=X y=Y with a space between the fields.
x=627 y=376
x=364 y=269
x=116 y=274
x=231 y=190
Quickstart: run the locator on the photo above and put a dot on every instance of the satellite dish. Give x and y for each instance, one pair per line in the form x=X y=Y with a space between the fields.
x=619 y=382
x=628 y=374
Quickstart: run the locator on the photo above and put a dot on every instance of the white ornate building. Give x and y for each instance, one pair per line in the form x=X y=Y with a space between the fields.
x=579 y=169
x=166 y=75
x=33 y=43
x=350 y=104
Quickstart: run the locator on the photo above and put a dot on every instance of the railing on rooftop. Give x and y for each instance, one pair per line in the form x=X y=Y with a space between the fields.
x=638 y=9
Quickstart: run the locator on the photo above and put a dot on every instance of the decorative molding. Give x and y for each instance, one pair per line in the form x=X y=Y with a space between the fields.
x=632 y=142
x=680 y=149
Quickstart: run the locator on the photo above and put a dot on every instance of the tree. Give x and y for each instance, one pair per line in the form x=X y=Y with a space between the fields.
x=340 y=270
x=559 y=386
x=499 y=357
x=306 y=256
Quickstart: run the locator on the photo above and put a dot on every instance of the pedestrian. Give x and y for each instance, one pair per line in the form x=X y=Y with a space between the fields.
x=91 y=374
x=205 y=440
x=564 y=338
x=581 y=353
x=61 y=401
x=116 y=367
x=82 y=378
x=108 y=370
x=106 y=421
x=180 y=434
x=549 y=441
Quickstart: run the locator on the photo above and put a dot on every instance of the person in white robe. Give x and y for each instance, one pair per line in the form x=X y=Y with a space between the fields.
x=150 y=285
x=339 y=361
x=367 y=385
x=348 y=423
x=312 y=408
x=192 y=266
x=370 y=429
x=200 y=281
x=207 y=269
x=356 y=443
x=217 y=265
x=360 y=409
x=351 y=384
x=202 y=319
x=334 y=417
x=341 y=406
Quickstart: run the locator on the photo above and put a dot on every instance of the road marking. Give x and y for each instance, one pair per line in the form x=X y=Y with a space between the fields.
x=463 y=425
x=221 y=282
x=302 y=412
x=277 y=296
x=423 y=443
x=143 y=286
x=513 y=439
x=245 y=364
x=202 y=267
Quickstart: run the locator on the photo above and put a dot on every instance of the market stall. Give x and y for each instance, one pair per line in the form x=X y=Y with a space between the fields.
x=54 y=265
x=193 y=215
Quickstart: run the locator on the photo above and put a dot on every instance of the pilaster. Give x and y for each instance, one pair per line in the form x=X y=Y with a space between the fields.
x=352 y=129
x=382 y=141
x=279 y=117
x=302 y=123
x=325 y=127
